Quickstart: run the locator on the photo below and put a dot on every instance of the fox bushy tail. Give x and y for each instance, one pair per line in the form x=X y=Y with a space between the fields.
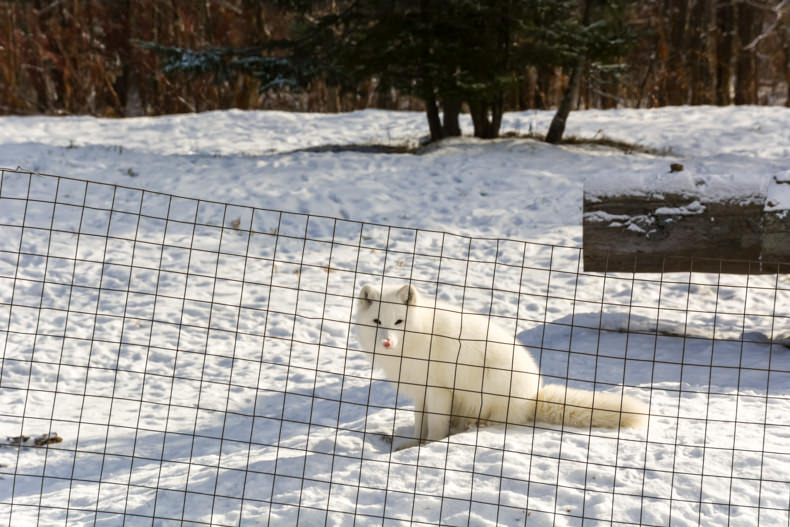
x=558 y=404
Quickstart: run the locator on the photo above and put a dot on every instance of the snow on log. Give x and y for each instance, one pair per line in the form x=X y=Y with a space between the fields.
x=776 y=220
x=676 y=222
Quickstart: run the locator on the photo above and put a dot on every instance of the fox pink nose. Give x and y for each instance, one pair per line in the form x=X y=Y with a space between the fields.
x=386 y=343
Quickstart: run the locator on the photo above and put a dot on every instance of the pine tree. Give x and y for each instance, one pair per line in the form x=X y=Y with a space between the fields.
x=596 y=37
x=445 y=52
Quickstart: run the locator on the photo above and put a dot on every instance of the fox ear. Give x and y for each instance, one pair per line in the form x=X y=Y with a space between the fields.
x=367 y=295
x=408 y=295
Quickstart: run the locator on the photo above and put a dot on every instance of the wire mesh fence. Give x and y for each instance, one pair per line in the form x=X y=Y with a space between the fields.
x=168 y=360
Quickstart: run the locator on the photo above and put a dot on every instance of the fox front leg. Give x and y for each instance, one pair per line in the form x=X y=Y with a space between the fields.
x=438 y=406
x=431 y=419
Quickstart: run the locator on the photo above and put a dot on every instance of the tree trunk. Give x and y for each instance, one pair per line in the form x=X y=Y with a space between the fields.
x=725 y=22
x=702 y=51
x=450 y=126
x=677 y=84
x=787 y=68
x=497 y=109
x=524 y=90
x=333 y=99
x=746 y=62
x=557 y=127
x=571 y=95
x=543 y=78
x=434 y=122
x=128 y=84
x=478 y=112
x=783 y=30
x=486 y=118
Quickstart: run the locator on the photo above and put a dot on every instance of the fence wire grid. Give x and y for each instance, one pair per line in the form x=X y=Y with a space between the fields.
x=171 y=361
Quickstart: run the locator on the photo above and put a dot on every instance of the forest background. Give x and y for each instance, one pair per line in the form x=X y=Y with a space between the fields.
x=65 y=57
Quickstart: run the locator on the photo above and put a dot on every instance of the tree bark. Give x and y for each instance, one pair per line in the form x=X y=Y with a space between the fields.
x=434 y=121
x=746 y=61
x=557 y=127
x=497 y=109
x=486 y=118
x=450 y=126
x=787 y=68
x=543 y=80
x=676 y=82
x=478 y=112
x=524 y=90
x=571 y=95
x=702 y=51
x=127 y=85
x=783 y=30
x=725 y=23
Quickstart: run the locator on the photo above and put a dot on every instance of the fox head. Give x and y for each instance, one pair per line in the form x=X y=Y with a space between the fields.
x=382 y=317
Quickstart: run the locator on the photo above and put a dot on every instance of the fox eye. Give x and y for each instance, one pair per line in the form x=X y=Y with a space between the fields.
x=377 y=321
x=399 y=321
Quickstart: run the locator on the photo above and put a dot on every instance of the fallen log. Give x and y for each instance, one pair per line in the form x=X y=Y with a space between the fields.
x=677 y=223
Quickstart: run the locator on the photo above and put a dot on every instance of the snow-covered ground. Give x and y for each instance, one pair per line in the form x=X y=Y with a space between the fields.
x=209 y=374
x=510 y=188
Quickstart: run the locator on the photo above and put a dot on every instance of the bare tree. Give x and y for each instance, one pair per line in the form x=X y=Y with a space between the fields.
x=746 y=59
x=702 y=51
x=676 y=80
x=725 y=51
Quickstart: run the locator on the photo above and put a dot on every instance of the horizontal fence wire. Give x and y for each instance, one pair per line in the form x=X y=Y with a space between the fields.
x=170 y=360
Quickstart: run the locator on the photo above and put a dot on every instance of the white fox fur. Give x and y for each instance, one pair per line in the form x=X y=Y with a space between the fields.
x=461 y=369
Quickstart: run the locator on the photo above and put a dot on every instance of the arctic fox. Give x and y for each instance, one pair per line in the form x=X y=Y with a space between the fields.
x=461 y=370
